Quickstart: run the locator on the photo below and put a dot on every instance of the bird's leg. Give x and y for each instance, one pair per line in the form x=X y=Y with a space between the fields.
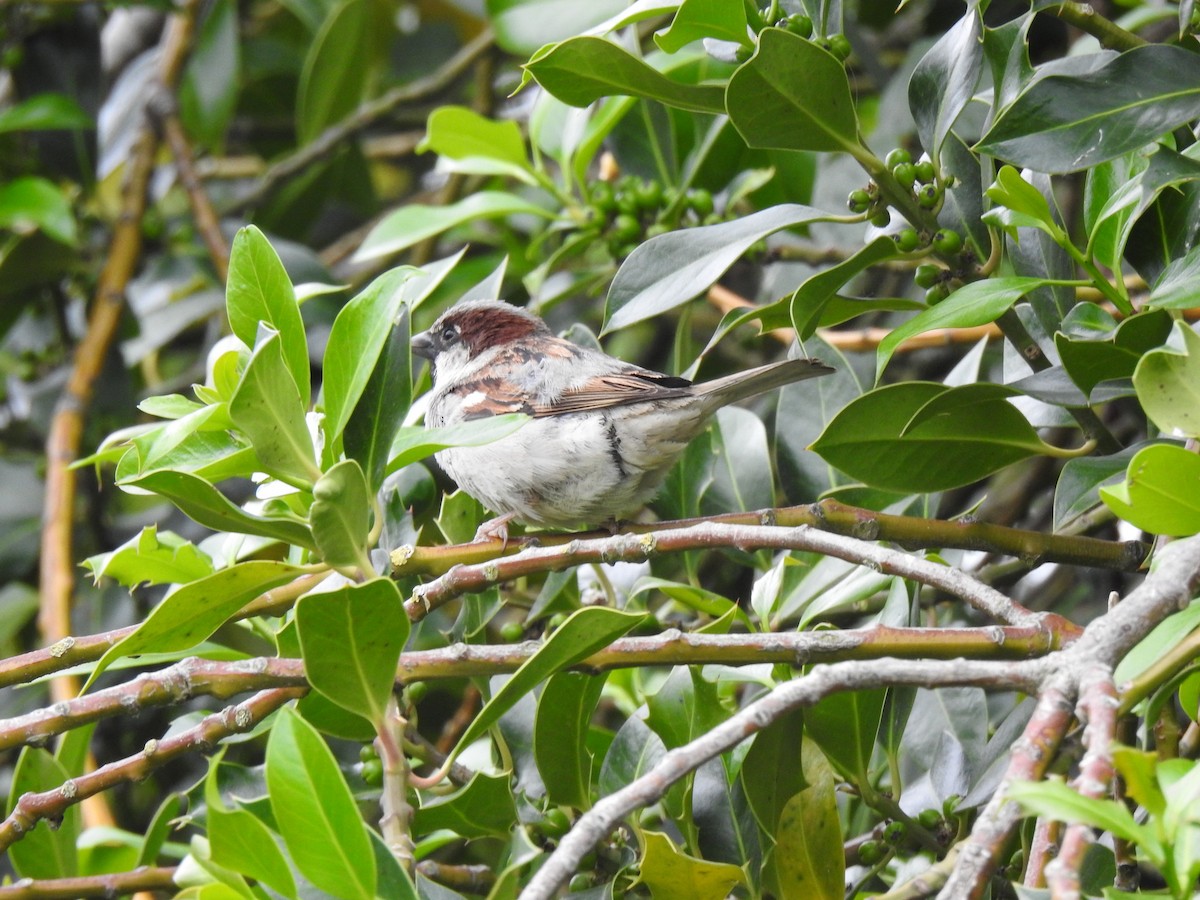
x=493 y=529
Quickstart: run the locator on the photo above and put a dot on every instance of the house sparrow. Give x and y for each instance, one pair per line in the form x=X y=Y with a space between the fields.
x=604 y=433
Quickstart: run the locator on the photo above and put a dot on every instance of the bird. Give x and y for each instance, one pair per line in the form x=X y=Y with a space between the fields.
x=602 y=435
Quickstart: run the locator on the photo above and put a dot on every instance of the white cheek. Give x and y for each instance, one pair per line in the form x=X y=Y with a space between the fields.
x=451 y=365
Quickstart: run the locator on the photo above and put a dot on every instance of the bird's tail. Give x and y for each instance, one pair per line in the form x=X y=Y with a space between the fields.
x=741 y=385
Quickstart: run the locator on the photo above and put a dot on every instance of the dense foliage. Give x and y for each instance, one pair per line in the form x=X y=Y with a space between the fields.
x=927 y=623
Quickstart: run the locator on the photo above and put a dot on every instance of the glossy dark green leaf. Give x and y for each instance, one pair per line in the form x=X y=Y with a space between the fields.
x=772 y=773
x=209 y=90
x=31 y=203
x=977 y=303
x=258 y=291
x=351 y=639
x=44 y=112
x=238 y=840
x=151 y=557
x=671 y=269
x=581 y=635
x=340 y=517
x=1065 y=123
x=414 y=222
x=1179 y=285
x=725 y=827
x=582 y=70
x=564 y=715
x=381 y=408
x=1161 y=491
x=203 y=503
x=338 y=66
x=1078 y=485
x=268 y=409
x=1115 y=354
x=944 y=80
x=684 y=707
x=315 y=811
x=1168 y=385
x=742 y=470
x=697 y=19
x=44 y=852
x=810 y=301
x=1006 y=49
x=845 y=726
x=197 y=609
x=976 y=435
x=484 y=807
x=358 y=336
x=792 y=95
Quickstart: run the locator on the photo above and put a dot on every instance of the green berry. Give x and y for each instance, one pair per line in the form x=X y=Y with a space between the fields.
x=925 y=172
x=712 y=219
x=555 y=823
x=839 y=46
x=799 y=24
x=870 y=852
x=907 y=240
x=859 y=201
x=927 y=275
x=602 y=197
x=555 y=621
x=905 y=173
x=881 y=219
x=416 y=691
x=580 y=882
x=950 y=804
x=512 y=632
x=896 y=157
x=649 y=195
x=656 y=229
x=929 y=818
x=367 y=752
x=895 y=833
x=699 y=201
x=947 y=241
x=626 y=228
x=936 y=294
x=928 y=196
x=372 y=772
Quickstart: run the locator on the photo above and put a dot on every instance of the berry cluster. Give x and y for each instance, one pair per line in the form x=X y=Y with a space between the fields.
x=626 y=212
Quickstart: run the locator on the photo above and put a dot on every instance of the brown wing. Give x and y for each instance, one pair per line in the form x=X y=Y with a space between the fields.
x=620 y=389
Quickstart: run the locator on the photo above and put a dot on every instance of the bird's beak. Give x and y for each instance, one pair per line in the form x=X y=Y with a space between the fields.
x=422 y=345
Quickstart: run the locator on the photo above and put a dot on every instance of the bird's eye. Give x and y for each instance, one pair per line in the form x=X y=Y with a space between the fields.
x=449 y=335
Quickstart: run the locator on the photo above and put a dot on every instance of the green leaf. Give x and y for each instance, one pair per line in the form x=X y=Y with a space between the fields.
x=669 y=270
x=845 y=726
x=481 y=809
x=44 y=852
x=340 y=517
x=357 y=337
x=239 y=841
x=203 y=503
x=966 y=434
x=258 y=292
x=1055 y=800
x=413 y=444
x=269 y=410
x=1161 y=491
x=672 y=874
x=742 y=473
x=1168 y=385
x=1116 y=355
x=1066 y=123
x=1018 y=195
x=1178 y=287
x=522 y=26
x=696 y=19
x=31 y=203
x=1137 y=767
x=1078 y=484
x=351 y=639
x=564 y=714
x=943 y=82
x=792 y=95
x=772 y=773
x=582 y=634
x=684 y=707
x=808 y=860
x=337 y=67
x=973 y=304
x=459 y=133
x=45 y=112
x=196 y=610
x=151 y=558
x=415 y=222
x=808 y=304
x=582 y=70
x=315 y=811
x=209 y=90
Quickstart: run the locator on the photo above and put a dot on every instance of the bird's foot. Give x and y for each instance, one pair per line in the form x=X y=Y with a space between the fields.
x=494 y=529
